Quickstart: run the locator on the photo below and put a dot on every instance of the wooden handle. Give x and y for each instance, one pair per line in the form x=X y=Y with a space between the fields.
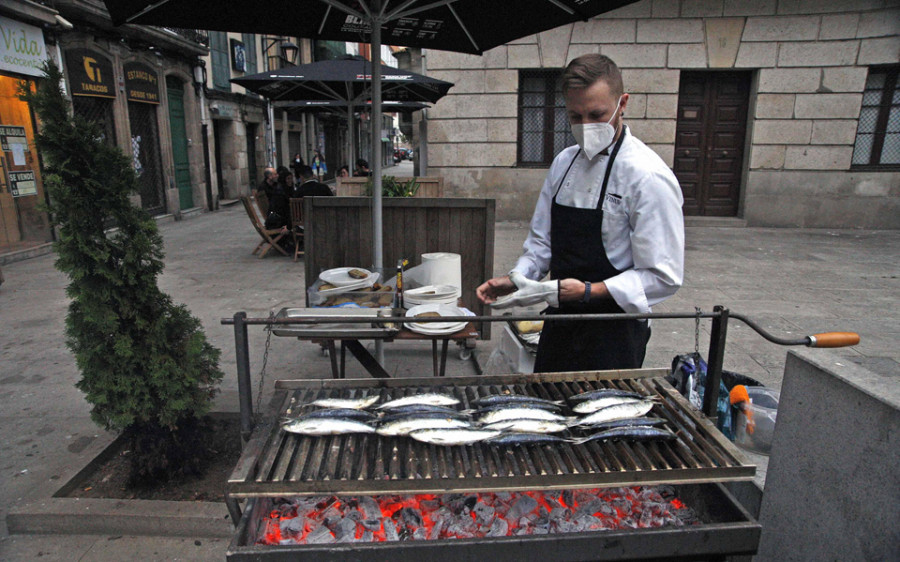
x=834 y=339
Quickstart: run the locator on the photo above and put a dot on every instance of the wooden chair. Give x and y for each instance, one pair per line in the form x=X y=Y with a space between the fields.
x=270 y=238
x=297 y=224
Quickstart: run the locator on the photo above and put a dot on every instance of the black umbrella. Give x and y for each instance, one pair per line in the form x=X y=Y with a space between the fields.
x=348 y=81
x=339 y=107
x=467 y=26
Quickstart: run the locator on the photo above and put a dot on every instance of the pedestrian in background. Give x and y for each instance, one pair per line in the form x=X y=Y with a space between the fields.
x=318 y=165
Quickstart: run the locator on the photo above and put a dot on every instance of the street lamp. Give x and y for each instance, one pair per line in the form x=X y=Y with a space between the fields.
x=287 y=55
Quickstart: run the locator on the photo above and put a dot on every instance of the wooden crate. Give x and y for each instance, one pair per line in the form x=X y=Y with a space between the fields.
x=339 y=233
x=429 y=186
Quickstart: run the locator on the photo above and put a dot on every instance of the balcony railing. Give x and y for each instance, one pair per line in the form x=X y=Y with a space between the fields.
x=200 y=36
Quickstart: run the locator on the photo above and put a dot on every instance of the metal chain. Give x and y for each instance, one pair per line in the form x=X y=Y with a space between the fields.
x=262 y=371
x=697 y=330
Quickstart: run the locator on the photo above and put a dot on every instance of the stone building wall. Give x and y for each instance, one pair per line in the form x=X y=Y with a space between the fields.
x=809 y=61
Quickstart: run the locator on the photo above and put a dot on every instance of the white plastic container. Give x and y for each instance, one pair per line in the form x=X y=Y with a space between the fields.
x=764 y=407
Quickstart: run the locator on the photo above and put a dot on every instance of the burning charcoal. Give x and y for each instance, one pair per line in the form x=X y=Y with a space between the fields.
x=410 y=516
x=332 y=522
x=525 y=504
x=587 y=522
x=326 y=502
x=369 y=507
x=420 y=534
x=568 y=497
x=435 y=532
x=627 y=523
x=540 y=531
x=553 y=502
x=606 y=510
x=371 y=524
x=461 y=530
x=283 y=542
x=503 y=496
x=650 y=495
x=499 y=528
x=390 y=531
x=560 y=513
x=293 y=525
x=354 y=515
x=345 y=531
x=563 y=526
x=320 y=536
x=542 y=523
x=589 y=507
x=584 y=496
x=484 y=514
x=427 y=506
x=667 y=492
x=332 y=512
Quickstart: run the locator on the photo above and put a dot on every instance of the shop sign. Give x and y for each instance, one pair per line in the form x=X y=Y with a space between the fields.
x=90 y=74
x=22 y=48
x=12 y=139
x=22 y=183
x=141 y=83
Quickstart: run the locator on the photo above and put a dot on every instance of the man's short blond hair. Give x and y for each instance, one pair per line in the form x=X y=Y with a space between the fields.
x=583 y=71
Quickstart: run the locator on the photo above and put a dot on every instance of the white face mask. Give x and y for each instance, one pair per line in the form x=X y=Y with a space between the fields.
x=594 y=138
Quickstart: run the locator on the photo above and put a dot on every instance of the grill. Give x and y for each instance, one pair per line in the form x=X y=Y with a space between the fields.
x=276 y=463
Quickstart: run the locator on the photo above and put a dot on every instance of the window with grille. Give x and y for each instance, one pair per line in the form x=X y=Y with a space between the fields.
x=100 y=111
x=543 y=126
x=878 y=134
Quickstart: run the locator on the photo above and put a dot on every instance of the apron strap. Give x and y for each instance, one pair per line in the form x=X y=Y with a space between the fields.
x=609 y=166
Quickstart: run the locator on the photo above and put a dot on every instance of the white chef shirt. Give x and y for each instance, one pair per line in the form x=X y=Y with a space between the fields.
x=643 y=225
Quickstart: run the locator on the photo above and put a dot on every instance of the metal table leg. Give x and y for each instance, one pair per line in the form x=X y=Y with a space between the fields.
x=434 y=357
x=444 y=356
x=332 y=354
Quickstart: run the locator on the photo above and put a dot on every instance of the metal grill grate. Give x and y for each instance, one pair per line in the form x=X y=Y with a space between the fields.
x=278 y=463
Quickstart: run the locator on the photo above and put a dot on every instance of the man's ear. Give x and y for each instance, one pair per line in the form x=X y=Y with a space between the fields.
x=623 y=103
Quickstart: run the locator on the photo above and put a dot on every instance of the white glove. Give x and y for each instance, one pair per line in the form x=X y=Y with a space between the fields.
x=529 y=292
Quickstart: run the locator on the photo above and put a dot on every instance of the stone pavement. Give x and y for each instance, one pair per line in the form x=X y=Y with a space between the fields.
x=792 y=282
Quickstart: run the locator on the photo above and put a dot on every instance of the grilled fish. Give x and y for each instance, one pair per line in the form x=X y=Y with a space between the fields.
x=517 y=439
x=604 y=393
x=352 y=403
x=640 y=433
x=421 y=409
x=627 y=422
x=431 y=398
x=339 y=413
x=406 y=425
x=528 y=426
x=494 y=399
x=591 y=406
x=460 y=436
x=516 y=412
x=617 y=412
x=392 y=417
x=326 y=426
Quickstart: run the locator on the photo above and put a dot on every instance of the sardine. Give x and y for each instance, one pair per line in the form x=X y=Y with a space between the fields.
x=351 y=403
x=591 y=406
x=516 y=413
x=339 y=413
x=432 y=399
x=392 y=417
x=493 y=399
x=604 y=393
x=518 y=439
x=531 y=404
x=528 y=426
x=422 y=408
x=627 y=422
x=406 y=425
x=452 y=436
x=618 y=412
x=640 y=433
x=326 y=426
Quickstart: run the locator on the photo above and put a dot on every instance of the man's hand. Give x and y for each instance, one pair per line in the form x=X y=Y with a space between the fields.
x=529 y=292
x=492 y=289
x=572 y=290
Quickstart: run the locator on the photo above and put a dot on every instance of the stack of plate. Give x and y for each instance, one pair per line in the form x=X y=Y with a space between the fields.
x=344 y=283
x=435 y=328
x=431 y=294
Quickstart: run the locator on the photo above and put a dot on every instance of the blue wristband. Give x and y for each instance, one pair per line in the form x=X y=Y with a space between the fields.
x=587 y=292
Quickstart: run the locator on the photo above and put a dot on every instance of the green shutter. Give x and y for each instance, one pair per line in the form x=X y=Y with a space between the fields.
x=218 y=52
x=250 y=45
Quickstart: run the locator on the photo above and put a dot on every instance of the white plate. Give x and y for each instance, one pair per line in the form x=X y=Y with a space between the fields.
x=432 y=293
x=362 y=284
x=409 y=303
x=339 y=277
x=443 y=310
x=419 y=328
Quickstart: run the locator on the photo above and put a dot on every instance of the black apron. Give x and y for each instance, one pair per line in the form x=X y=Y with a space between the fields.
x=576 y=246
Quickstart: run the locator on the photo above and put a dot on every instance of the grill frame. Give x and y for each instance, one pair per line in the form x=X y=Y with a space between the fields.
x=727 y=528
x=269 y=465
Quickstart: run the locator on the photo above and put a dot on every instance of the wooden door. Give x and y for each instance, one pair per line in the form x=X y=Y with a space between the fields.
x=175 y=94
x=709 y=141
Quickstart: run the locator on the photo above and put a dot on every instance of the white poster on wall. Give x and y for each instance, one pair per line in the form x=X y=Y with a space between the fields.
x=22 y=48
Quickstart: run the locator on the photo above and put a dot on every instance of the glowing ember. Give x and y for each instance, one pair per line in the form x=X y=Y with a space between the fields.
x=329 y=519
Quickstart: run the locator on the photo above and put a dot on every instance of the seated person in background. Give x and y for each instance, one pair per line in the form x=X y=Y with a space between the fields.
x=264 y=190
x=362 y=168
x=279 y=215
x=309 y=187
x=344 y=172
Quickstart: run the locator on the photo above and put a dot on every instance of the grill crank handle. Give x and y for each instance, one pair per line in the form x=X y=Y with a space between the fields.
x=833 y=339
x=826 y=339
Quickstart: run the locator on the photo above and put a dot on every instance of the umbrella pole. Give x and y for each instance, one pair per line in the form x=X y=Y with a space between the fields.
x=350 y=139
x=377 y=247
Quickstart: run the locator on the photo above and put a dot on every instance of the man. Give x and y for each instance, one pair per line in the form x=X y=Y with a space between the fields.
x=607 y=226
x=265 y=188
x=309 y=187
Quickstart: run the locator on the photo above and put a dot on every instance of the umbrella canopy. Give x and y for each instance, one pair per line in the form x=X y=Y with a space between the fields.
x=468 y=26
x=348 y=80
